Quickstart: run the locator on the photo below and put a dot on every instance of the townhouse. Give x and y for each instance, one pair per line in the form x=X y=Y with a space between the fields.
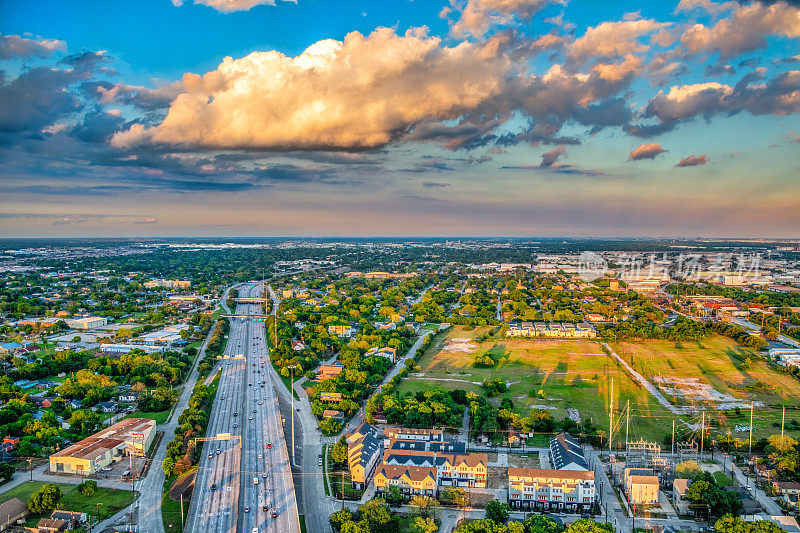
x=581 y=330
x=546 y=489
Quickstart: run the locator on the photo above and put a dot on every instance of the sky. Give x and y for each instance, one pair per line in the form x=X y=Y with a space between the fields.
x=399 y=118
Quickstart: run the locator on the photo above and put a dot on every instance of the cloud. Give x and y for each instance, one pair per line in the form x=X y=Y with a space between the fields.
x=134 y=95
x=59 y=219
x=613 y=39
x=477 y=17
x=779 y=96
x=434 y=184
x=37 y=98
x=361 y=93
x=548 y=158
x=692 y=161
x=745 y=30
x=229 y=6
x=646 y=151
x=15 y=46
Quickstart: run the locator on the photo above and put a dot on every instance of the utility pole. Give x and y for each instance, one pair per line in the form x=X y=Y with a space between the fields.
x=783 y=420
x=750 y=448
x=673 y=437
x=611 y=418
x=627 y=421
x=182 y=524
x=702 y=430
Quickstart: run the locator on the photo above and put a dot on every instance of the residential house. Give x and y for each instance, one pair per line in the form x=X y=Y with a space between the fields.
x=679 y=501
x=329 y=371
x=12 y=512
x=389 y=353
x=51 y=525
x=128 y=397
x=546 y=489
x=298 y=346
x=104 y=407
x=334 y=414
x=788 y=490
x=341 y=330
x=331 y=397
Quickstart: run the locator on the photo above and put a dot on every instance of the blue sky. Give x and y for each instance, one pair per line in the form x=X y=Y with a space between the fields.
x=450 y=117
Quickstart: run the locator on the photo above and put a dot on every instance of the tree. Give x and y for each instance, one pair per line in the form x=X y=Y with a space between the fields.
x=376 y=514
x=340 y=517
x=589 y=526
x=339 y=452
x=687 y=468
x=783 y=452
x=330 y=426
x=497 y=511
x=454 y=496
x=731 y=524
x=394 y=496
x=6 y=472
x=423 y=506
x=424 y=525
x=45 y=499
x=87 y=488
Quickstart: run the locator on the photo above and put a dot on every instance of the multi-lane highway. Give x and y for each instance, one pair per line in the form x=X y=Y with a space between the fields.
x=245 y=483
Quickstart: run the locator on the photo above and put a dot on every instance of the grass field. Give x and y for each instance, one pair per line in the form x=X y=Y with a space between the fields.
x=110 y=500
x=720 y=363
x=569 y=373
x=159 y=416
x=717 y=361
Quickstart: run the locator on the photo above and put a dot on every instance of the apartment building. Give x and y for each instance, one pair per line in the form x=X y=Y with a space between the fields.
x=581 y=330
x=363 y=453
x=545 y=489
x=412 y=480
x=566 y=453
x=641 y=486
x=414 y=434
x=452 y=469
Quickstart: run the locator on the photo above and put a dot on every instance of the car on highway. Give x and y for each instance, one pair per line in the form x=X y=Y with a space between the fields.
x=264 y=508
x=250 y=417
x=247 y=509
x=274 y=514
x=264 y=475
x=319 y=461
x=210 y=455
x=213 y=487
x=255 y=530
x=269 y=445
x=260 y=456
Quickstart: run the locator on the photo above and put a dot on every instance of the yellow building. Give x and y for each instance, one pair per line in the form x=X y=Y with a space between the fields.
x=105 y=447
x=410 y=479
x=641 y=486
x=363 y=451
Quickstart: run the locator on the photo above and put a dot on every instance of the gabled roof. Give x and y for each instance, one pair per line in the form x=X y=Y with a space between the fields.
x=566 y=453
x=13 y=507
x=414 y=473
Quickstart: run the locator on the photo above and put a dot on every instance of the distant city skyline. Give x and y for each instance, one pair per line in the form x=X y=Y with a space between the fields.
x=452 y=118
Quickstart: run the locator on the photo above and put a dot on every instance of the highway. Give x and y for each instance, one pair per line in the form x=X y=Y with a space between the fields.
x=245 y=483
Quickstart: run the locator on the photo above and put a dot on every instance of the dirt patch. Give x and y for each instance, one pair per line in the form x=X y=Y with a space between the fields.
x=460 y=345
x=183 y=485
x=528 y=460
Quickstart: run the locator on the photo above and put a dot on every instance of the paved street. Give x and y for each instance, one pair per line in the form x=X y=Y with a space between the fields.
x=244 y=483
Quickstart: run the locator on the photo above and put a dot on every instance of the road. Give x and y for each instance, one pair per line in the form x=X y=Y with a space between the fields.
x=244 y=483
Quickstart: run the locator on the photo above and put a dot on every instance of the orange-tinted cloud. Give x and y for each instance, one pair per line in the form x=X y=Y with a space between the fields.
x=692 y=161
x=646 y=151
x=356 y=94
